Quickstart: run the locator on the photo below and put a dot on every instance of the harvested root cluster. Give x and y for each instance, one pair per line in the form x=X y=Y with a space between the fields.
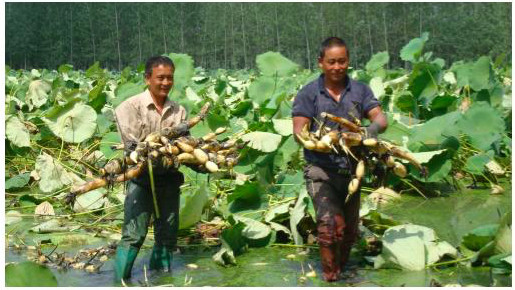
x=167 y=148
x=354 y=142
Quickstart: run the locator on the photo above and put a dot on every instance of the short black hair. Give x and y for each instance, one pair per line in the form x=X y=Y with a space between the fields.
x=330 y=42
x=158 y=60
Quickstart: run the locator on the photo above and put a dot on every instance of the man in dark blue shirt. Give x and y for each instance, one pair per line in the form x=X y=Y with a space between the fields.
x=328 y=174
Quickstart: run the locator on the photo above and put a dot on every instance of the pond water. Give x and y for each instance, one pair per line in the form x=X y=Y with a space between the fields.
x=451 y=216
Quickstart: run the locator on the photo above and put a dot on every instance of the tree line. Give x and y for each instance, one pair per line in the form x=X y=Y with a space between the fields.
x=230 y=35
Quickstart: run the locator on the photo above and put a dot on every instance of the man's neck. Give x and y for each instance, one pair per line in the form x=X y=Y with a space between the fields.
x=158 y=102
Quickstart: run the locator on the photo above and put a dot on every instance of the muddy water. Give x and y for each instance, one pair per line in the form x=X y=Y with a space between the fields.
x=451 y=216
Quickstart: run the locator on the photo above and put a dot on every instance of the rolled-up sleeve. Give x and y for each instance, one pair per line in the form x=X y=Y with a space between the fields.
x=303 y=104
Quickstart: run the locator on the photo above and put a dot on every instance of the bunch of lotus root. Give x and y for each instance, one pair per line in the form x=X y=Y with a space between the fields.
x=326 y=140
x=171 y=146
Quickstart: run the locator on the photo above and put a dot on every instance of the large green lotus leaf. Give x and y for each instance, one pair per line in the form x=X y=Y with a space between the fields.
x=413 y=50
x=91 y=200
x=262 y=141
x=288 y=151
x=500 y=263
x=476 y=75
x=249 y=191
x=438 y=168
x=37 y=95
x=483 y=124
x=232 y=238
x=503 y=235
x=17 y=181
x=74 y=125
x=476 y=164
x=53 y=175
x=297 y=213
x=16 y=132
x=280 y=228
x=29 y=274
x=405 y=102
x=224 y=256
x=434 y=132
x=443 y=101
x=125 y=91
x=396 y=131
x=377 y=61
x=283 y=126
x=479 y=237
x=184 y=71
x=103 y=124
x=377 y=86
x=424 y=157
x=110 y=139
x=376 y=221
x=423 y=82
x=274 y=63
x=261 y=89
x=422 y=242
x=193 y=205
x=216 y=121
x=277 y=211
x=254 y=230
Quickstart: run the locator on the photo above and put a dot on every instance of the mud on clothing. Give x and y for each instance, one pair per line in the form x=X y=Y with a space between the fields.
x=136 y=118
x=328 y=175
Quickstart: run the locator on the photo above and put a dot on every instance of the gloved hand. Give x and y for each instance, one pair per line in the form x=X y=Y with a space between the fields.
x=372 y=131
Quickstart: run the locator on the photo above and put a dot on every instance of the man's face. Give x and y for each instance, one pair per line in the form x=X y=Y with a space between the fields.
x=160 y=82
x=335 y=63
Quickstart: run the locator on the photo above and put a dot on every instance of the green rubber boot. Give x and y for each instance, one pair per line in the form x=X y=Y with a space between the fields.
x=161 y=259
x=125 y=257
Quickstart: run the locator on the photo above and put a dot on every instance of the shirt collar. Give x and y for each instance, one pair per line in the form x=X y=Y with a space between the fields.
x=148 y=101
x=321 y=86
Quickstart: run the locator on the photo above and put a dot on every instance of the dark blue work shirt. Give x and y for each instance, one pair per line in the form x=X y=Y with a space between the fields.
x=356 y=101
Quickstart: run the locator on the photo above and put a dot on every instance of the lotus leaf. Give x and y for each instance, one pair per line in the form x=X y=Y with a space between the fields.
x=125 y=91
x=37 y=95
x=283 y=126
x=17 y=181
x=430 y=135
x=110 y=139
x=504 y=235
x=480 y=237
x=483 y=124
x=277 y=211
x=254 y=230
x=74 y=125
x=29 y=274
x=476 y=75
x=413 y=50
x=91 y=200
x=476 y=164
x=184 y=71
x=262 y=89
x=297 y=213
x=438 y=168
x=194 y=203
x=275 y=64
x=377 y=86
x=53 y=175
x=422 y=242
x=377 y=61
x=423 y=82
x=16 y=131
x=262 y=141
